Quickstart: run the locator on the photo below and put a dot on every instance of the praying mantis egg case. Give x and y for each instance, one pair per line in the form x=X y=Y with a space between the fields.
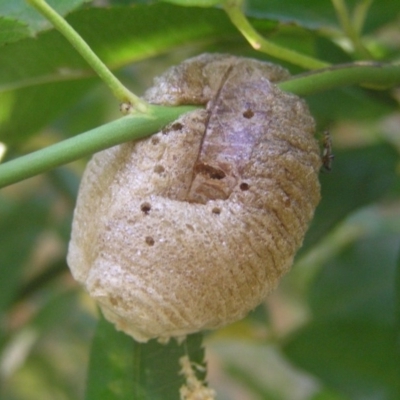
x=191 y=228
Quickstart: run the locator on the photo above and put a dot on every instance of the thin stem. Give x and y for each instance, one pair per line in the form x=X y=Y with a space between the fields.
x=124 y=95
x=342 y=14
x=351 y=30
x=237 y=17
x=360 y=15
x=369 y=74
x=130 y=127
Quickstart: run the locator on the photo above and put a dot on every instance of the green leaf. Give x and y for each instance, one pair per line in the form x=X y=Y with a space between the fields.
x=25 y=119
x=316 y=14
x=20 y=224
x=329 y=395
x=51 y=74
x=351 y=103
x=12 y=30
x=358 y=284
x=330 y=51
x=309 y=13
x=359 y=177
x=121 y=368
x=18 y=19
x=195 y=3
x=130 y=2
x=357 y=359
x=397 y=302
x=54 y=345
x=350 y=343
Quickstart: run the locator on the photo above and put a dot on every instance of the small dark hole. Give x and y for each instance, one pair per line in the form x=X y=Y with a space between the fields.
x=155 y=140
x=248 y=114
x=216 y=210
x=177 y=126
x=244 y=186
x=217 y=174
x=149 y=240
x=159 y=169
x=212 y=172
x=145 y=207
x=113 y=300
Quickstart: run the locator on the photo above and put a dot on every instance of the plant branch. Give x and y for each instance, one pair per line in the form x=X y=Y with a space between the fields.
x=352 y=28
x=130 y=127
x=360 y=15
x=137 y=126
x=373 y=75
x=124 y=95
x=234 y=12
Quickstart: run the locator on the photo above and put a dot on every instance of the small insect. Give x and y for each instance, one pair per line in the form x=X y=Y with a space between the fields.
x=327 y=155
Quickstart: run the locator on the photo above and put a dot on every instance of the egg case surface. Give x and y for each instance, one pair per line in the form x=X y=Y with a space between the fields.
x=190 y=228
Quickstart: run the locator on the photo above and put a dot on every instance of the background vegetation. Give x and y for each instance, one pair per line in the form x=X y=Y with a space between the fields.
x=331 y=330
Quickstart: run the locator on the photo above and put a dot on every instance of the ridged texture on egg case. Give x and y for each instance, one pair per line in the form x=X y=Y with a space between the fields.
x=191 y=228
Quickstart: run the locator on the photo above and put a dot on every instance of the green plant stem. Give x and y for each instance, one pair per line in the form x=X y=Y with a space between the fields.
x=342 y=15
x=369 y=74
x=130 y=127
x=360 y=15
x=233 y=10
x=123 y=94
x=138 y=126
x=352 y=29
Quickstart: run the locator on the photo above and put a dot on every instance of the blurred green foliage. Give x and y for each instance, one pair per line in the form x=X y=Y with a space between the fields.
x=329 y=332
